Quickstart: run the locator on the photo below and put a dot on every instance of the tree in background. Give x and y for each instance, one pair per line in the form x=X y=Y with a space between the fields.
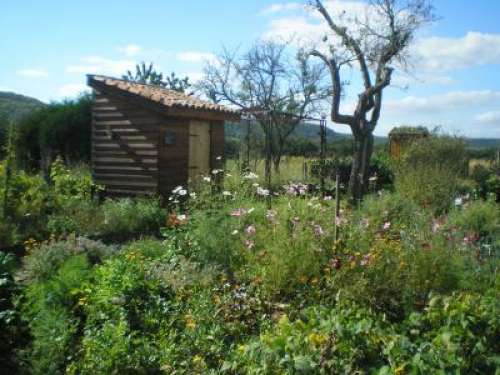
x=268 y=82
x=58 y=129
x=374 y=45
x=148 y=75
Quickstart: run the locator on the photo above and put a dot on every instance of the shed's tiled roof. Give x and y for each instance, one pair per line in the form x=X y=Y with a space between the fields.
x=167 y=98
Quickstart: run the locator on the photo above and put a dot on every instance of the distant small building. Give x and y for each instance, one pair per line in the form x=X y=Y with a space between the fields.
x=148 y=140
x=401 y=137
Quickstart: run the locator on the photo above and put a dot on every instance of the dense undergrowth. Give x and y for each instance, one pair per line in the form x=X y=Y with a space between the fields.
x=223 y=284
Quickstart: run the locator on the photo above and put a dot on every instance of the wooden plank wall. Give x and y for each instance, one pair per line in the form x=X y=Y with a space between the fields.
x=173 y=159
x=124 y=146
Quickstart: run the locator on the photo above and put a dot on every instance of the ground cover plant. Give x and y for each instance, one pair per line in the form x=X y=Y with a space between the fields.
x=226 y=284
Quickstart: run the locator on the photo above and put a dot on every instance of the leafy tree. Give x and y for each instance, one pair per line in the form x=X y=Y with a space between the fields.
x=59 y=129
x=374 y=45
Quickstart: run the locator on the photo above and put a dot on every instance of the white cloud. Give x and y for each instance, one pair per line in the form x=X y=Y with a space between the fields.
x=130 y=50
x=101 y=65
x=278 y=8
x=489 y=118
x=442 y=103
x=445 y=54
x=195 y=57
x=193 y=76
x=72 y=90
x=33 y=73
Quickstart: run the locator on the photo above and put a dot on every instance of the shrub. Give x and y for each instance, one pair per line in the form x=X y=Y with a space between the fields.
x=50 y=308
x=429 y=171
x=128 y=218
x=11 y=335
x=43 y=260
x=456 y=334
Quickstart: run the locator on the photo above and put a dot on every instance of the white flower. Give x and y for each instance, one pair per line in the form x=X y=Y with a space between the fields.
x=206 y=179
x=217 y=171
x=250 y=176
x=234 y=232
x=218 y=158
x=192 y=195
x=263 y=192
x=226 y=193
x=458 y=201
x=255 y=184
x=181 y=217
x=177 y=189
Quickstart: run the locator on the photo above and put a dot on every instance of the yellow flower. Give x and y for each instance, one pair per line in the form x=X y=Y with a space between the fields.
x=190 y=322
x=316 y=339
x=82 y=301
x=198 y=361
x=242 y=348
x=314 y=281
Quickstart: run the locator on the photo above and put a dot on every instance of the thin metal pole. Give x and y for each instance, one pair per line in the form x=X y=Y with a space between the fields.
x=322 y=126
x=268 y=166
x=337 y=205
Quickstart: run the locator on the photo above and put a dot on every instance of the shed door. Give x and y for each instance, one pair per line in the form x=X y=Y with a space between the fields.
x=199 y=150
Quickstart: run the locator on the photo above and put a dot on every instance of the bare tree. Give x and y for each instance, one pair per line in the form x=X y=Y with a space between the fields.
x=278 y=89
x=374 y=45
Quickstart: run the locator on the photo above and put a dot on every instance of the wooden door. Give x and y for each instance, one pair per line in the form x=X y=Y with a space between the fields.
x=199 y=151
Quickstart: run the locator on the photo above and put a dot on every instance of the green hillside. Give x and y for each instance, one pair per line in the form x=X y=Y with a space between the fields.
x=14 y=106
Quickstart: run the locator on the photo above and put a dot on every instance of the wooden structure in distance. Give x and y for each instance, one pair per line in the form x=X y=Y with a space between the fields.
x=148 y=140
x=401 y=137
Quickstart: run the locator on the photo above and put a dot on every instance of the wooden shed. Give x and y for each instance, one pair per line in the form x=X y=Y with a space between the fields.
x=402 y=137
x=148 y=140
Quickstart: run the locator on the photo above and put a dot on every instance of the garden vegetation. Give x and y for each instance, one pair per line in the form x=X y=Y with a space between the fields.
x=212 y=281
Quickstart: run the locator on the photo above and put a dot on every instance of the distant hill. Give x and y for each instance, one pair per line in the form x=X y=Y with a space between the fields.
x=481 y=143
x=308 y=131
x=14 y=106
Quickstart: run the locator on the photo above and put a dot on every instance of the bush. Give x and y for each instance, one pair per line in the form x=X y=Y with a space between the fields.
x=456 y=334
x=128 y=218
x=43 y=260
x=429 y=171
x=51 y=309
x=11 y=334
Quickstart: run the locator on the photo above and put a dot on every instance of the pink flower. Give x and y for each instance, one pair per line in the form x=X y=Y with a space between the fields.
x=365 y=222
x=387 y=225
x=250 y=230
x=249 y=244
x=335 y=263
x=340 y=220
x=318 y=231
x=366 y=260
x=238 y=212
x=271 y=216
x=435 y=226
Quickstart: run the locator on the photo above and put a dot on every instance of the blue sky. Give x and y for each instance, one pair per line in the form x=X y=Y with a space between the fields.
x=48 y=46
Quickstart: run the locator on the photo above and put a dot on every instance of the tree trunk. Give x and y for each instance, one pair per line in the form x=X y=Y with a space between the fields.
x=358 y=182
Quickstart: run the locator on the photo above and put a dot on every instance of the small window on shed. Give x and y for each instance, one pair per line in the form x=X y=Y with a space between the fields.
x=169 y=137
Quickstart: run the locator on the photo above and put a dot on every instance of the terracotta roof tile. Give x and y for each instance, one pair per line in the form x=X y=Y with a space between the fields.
x=169 y=98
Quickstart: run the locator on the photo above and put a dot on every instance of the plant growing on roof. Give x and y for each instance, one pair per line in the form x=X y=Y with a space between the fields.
x=148 y=75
